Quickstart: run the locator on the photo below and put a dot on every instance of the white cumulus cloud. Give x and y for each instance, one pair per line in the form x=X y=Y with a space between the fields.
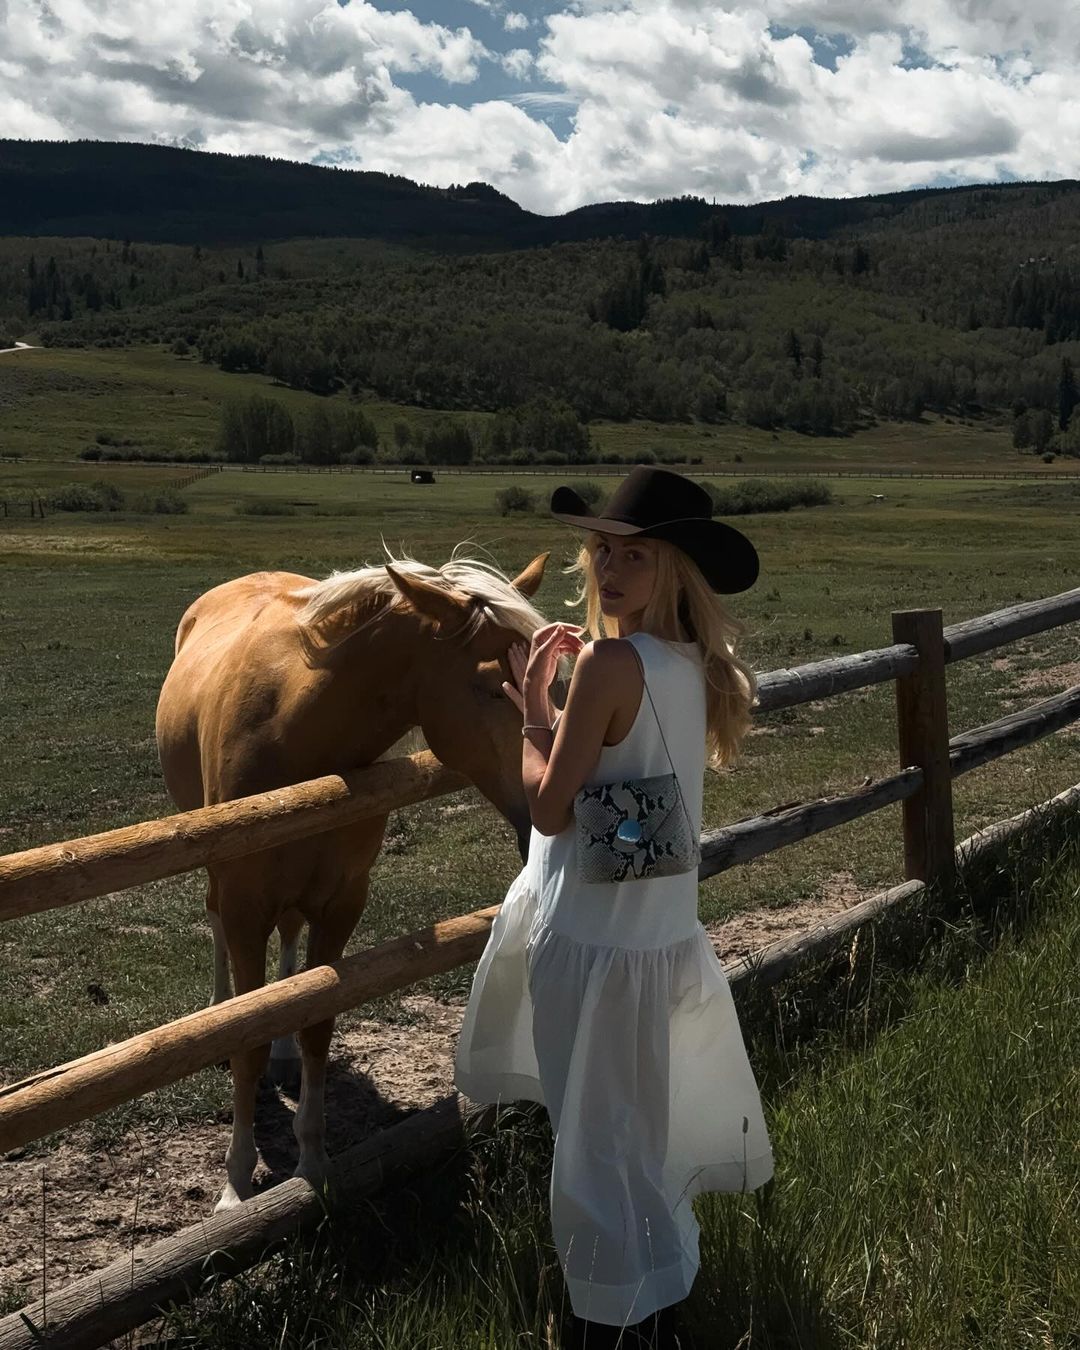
x=651 y=97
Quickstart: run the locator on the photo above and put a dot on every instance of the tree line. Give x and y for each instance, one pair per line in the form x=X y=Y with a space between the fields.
x=960 y=304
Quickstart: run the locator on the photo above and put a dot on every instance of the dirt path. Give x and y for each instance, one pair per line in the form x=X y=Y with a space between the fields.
x=99 y=1204
x=19 y=347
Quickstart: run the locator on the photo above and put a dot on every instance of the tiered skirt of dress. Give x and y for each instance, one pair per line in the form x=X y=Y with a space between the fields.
x=637 y=1054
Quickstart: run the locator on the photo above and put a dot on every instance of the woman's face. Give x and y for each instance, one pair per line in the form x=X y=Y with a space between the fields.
x=624 y=568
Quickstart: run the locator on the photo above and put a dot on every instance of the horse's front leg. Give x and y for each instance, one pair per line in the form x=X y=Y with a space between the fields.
x=222 y=982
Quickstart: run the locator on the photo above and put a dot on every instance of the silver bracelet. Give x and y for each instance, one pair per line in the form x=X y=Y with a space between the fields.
x=535 y=726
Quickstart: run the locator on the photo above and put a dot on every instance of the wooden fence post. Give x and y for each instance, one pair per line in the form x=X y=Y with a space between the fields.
x=922 y=714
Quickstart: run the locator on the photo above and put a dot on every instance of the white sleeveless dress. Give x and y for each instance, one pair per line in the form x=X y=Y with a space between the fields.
x=607 y=1004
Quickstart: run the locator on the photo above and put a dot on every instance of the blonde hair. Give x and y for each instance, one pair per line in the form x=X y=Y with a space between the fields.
x=683 y=601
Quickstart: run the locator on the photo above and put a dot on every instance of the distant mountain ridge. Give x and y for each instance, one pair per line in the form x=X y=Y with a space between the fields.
x=165 y=194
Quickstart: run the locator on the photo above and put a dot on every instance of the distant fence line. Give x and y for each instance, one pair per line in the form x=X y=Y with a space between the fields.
x=564 y=470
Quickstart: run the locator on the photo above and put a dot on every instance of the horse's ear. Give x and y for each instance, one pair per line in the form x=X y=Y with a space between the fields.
x=447 y=608
x=528 y=581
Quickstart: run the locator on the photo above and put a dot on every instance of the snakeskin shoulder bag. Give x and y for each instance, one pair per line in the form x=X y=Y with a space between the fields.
x=637 y=828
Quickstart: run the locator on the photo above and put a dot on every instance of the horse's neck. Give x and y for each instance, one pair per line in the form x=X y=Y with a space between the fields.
x=376 y=676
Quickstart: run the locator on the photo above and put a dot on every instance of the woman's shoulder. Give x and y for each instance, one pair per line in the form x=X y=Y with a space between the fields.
x=611 y=663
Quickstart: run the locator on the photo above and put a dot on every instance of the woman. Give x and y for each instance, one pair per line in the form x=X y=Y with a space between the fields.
x=606 y=1001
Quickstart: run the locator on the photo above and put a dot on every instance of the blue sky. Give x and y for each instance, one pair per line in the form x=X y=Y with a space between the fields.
x=560 y=104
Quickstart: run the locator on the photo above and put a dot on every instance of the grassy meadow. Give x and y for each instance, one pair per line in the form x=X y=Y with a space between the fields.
x=56 y=401
x=89 y=605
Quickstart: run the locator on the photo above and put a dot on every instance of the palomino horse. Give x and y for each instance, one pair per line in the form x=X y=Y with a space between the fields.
x=278 y=679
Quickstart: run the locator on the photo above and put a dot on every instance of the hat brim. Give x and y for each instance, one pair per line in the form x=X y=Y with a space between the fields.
x=725 y=557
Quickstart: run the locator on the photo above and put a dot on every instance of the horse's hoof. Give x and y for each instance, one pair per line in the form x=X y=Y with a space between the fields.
x=285 y=1073
x=229 y=1200
x=315 y=1172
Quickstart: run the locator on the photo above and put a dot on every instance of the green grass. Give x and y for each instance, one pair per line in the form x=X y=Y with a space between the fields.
x=55 y=401
x=89 y=606
x=921 y=1094
x=927 y=1157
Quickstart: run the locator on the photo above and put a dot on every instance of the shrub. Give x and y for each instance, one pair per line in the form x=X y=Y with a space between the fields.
x=167 y=502
x=279 y=459
x=753 y=496
x=90 y=452
x=361 y=455
x=170 y=502
x=514 y=498
x=75 y=497
x=112 y=499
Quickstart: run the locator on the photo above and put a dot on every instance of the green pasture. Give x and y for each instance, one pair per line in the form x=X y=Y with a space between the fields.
x=56 y=401
x=89 y=605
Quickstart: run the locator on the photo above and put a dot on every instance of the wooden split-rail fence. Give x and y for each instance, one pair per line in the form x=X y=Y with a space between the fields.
x=91 y=1311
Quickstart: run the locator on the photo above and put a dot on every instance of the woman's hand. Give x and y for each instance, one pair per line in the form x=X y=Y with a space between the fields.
x=534 y=667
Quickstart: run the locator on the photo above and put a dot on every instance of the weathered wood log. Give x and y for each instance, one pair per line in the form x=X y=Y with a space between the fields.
x=1006 y=625
x=102 y=1306
x=840 y=674
x=64 y=874
x=775 y=962
x=988 y=839
x=781 y=958
x=922 y=721
x=82 y=1088
x=982 y=744
x=746 y=839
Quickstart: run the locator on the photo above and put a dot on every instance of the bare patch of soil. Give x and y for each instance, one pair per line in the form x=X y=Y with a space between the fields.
x=1053 y=679
x=735 y=938
x=100 y=1203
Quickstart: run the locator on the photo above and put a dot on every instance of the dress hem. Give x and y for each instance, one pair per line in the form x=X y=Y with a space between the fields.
x=495 y=1089
x=625 y=1305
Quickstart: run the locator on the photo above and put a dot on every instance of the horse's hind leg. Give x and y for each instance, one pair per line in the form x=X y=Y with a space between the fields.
x=326 y=942
x=284 y=1068
x=222 y=983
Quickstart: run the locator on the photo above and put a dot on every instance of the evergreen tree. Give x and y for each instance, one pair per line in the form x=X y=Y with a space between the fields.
x=1068 y=395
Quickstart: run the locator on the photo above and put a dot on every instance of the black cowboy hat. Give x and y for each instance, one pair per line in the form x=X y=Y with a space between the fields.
x=660 y=504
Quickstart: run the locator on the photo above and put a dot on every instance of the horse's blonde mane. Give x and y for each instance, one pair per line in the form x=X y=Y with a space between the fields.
x=496 y=599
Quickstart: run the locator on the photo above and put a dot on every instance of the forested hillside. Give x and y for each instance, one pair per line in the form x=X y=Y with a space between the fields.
x=811 y=315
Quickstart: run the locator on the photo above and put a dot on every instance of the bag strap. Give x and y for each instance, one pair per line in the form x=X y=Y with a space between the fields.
x=663 y=738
